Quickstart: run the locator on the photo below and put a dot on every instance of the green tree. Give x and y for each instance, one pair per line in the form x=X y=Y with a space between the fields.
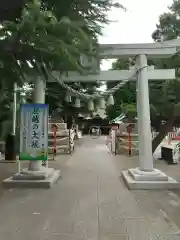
x=36 y=43
x=11 y=10
x=40 y=37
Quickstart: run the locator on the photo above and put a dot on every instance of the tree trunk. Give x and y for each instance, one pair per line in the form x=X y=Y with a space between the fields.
x=164 y=129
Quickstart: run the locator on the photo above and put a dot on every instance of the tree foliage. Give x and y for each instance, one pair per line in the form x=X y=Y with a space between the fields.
x=90 y=15
x=38 y=37
x=11 y=10
x=38 y=44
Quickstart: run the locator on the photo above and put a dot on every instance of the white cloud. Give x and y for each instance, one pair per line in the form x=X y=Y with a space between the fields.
x=134 y=26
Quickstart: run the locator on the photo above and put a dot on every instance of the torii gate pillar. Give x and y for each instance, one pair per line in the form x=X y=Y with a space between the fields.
x=143 y=113
x=145 y=176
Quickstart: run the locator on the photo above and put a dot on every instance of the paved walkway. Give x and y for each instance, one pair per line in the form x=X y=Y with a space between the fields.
x=90 y=203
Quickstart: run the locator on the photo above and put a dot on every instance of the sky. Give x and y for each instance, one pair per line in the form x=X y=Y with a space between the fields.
x=134 y=26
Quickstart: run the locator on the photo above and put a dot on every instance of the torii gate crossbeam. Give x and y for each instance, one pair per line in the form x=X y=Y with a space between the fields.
x=117 y=75
x=152 y=50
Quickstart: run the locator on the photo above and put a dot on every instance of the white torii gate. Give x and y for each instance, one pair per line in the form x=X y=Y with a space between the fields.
x=145 y=176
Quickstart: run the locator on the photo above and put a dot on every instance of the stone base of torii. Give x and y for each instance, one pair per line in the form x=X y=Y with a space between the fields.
x=140 y=180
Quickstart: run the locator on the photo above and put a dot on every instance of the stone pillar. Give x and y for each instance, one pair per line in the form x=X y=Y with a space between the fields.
x=14 y=109
x=145 y=176
x=38 y=97
x=143 y=114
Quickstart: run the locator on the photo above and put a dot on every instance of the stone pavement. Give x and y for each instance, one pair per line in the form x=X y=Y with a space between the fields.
x=91 y=202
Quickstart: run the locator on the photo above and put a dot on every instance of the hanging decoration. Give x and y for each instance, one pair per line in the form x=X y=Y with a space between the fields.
x=101 y=113
x=90 y=97
x=68 y=98
x=96 y=107
x=90 y=105
x=110 y=100
x=77 y=103
x=102 y=103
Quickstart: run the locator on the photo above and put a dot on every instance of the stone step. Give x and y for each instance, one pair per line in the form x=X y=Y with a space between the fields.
x=52 y=120
x=59 y=148
x=59 y=141
x=126 y=143
x=126 y=140
x=127 y=146
x=125 y=150
x=59 y=152
x=62 y=133
x=133 y=137
x=60 y=126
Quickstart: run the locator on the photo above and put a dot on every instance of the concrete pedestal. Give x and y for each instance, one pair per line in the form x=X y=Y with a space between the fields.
x=137 y=179
x=43 y=178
